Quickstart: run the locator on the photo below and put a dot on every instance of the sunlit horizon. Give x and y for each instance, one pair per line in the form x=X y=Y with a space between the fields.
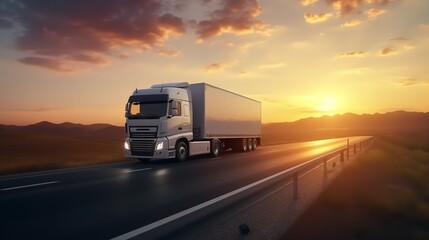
x=300 y=59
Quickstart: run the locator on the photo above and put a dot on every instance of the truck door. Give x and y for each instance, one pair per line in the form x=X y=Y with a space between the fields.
x=175 y=121
x=187 y=127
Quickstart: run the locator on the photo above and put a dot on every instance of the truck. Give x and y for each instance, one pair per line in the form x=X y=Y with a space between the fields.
x=178 y=120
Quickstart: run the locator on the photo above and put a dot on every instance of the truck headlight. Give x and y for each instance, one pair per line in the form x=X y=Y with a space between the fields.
x=127 y=145
x=159 y=146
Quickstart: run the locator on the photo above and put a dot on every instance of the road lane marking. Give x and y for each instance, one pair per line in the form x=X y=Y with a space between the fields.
x=138 y=170
x=28 y=186
x=62 y=171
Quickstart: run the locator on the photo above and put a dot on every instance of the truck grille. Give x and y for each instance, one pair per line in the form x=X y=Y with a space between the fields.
x=143 y=134
x=142 y=147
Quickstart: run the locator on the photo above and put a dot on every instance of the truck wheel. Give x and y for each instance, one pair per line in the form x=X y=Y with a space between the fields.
x=249 y=144
x=181 y=151
x=255 y=144
x=244 y=145
x=216 y=148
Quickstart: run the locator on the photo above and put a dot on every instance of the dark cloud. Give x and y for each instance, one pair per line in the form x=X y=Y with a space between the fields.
x=236 y=16
x=87 y=31
x=352 y=54
x=5 y=24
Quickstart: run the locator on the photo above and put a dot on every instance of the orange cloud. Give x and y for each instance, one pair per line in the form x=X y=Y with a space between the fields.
x=88 y=58
x=236 y=17
x=387 y=51
x=49 y=63
x=316 y=18
x=411 y=81
x=168 y=52
x=346 y=7
x=400 y=38
x=351 y=23
x=352 y=54
x=374 y=13
x=308 y=2
x=424 y=26
x=214 y=67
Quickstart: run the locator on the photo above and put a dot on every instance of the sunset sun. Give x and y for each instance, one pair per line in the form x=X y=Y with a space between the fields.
x=327 y=105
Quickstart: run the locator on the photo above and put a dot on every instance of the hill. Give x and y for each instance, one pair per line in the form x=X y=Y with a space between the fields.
x=346 y=125
x=46 y=145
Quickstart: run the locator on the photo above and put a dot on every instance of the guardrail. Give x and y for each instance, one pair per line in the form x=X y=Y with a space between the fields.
x=324 y=159
x=169 y=224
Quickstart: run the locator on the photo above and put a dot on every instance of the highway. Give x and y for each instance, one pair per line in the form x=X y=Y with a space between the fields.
x=107 y=201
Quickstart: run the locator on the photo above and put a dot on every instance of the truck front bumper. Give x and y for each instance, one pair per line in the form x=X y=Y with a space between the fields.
x=160 y=150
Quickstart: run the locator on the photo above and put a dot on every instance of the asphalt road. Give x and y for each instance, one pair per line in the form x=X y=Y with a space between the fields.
x=107 y=201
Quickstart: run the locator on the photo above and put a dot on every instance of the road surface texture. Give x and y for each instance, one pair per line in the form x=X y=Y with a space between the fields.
x=107 y=201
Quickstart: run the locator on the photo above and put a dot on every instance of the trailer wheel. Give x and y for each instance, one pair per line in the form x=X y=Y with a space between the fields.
x=182 y=151
x=255 y=144
x=249 y=144
x=244 y=145
x=216 y=148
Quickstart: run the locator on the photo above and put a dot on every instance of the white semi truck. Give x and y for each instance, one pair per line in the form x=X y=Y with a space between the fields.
x=178 y=120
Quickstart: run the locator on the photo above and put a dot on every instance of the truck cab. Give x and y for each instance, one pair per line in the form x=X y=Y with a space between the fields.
x=157 y=119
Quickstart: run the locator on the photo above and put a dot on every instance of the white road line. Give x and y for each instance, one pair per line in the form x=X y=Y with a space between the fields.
x=138 y=170
x=61 y=171
x=31 y=185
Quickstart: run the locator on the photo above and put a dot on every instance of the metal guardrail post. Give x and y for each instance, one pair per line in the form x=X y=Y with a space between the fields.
x=342 y=157
x=295 y=186
x=325 y=168
x=348 y=148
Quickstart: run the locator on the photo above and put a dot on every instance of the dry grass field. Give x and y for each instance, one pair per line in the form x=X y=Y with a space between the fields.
x=20 y=152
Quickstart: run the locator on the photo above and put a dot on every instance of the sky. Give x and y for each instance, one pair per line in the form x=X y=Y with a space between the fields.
x=78 y=61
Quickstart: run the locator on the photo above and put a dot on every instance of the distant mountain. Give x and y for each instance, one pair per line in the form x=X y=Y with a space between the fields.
x=399 y=120
x=305 y=129
x=68 y=129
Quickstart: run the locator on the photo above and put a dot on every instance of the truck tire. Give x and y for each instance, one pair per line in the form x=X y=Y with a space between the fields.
x=182 y=151
x=249 y=144
x=243 y=145
x=255 y=144
x=216 y=148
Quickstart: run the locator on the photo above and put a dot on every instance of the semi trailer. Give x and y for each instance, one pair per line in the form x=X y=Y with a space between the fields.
x=178 y=120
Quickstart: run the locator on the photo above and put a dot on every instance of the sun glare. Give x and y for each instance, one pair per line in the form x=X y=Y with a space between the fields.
x=326 y=105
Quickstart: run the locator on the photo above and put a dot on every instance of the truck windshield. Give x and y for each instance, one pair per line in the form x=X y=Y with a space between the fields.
x=147 y=107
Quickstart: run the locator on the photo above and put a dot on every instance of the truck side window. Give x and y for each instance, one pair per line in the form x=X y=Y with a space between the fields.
x=178 y=106
x=179 y=109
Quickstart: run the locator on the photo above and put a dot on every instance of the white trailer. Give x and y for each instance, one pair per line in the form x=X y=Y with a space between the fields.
x=177 y=120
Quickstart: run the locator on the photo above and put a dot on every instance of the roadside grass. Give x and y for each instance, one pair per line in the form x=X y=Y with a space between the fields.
x=22 y=152
x=383 y=194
